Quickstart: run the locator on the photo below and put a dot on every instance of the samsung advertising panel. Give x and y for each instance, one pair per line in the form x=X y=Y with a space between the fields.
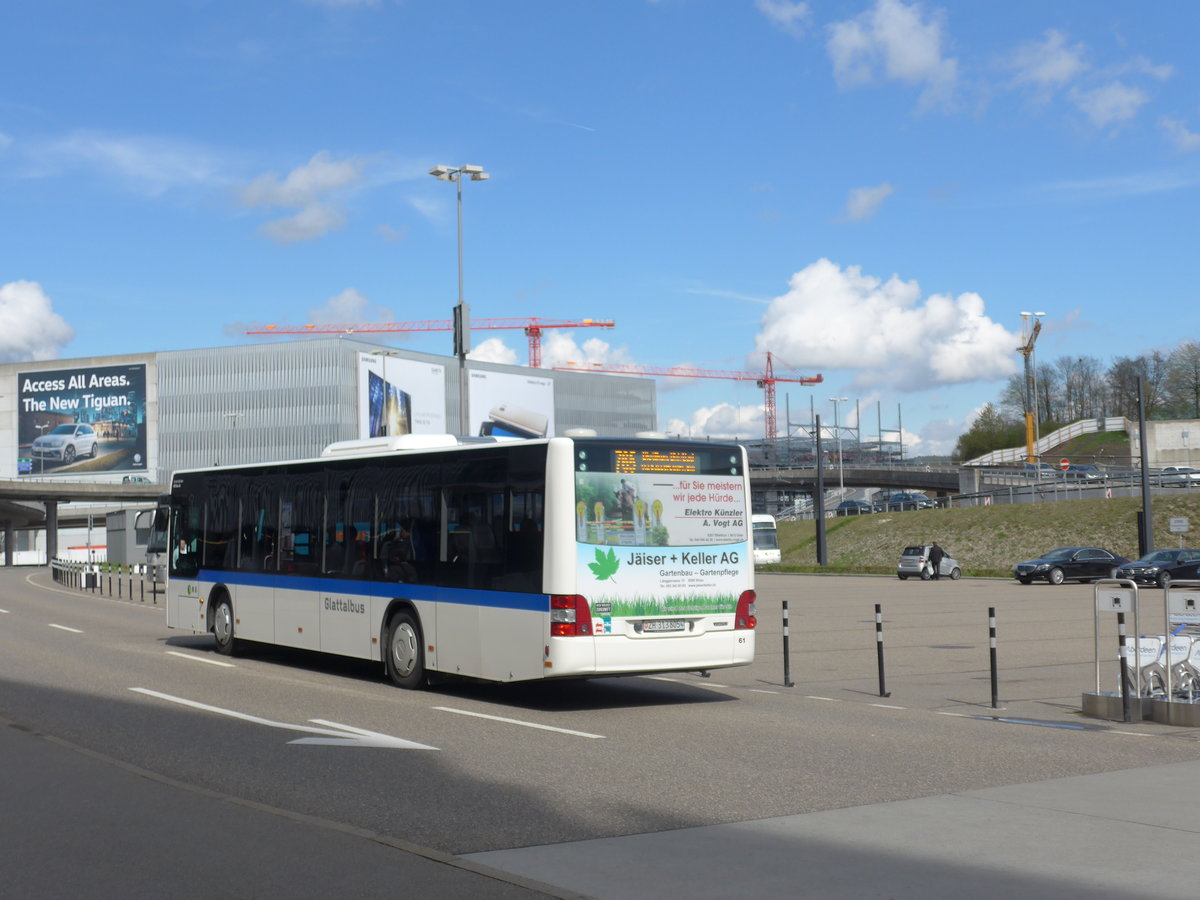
x=400 y=396
x=507 y=404
x=84 y=421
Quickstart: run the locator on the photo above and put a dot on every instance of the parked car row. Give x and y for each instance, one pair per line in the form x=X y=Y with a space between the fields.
x=1167 y=476
x=1162 y=567
x=1070 y=564
x=1156 y=569
x=1178 y=476
x=898 y=501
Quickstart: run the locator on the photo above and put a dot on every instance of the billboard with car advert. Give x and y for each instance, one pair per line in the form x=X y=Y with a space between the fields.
x=89 y=420
x=400 y=396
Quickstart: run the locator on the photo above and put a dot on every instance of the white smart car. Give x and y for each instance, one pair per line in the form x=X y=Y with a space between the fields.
x=914 y=561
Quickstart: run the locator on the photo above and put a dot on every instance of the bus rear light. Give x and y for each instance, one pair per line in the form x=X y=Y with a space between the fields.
x=570 y=615
x=745 y=611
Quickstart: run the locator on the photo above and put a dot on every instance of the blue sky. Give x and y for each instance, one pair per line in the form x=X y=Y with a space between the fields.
x=872 y=190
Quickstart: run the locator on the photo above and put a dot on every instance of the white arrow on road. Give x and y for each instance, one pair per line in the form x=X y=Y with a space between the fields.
x=343 y=736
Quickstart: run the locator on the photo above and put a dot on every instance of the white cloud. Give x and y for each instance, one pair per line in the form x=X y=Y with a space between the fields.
x=893 y=41
x=349 y=308
x=29 y=327
x=723 y=421
x=307 y=188
x=864 y=202
x=390 y=235
x=1049 y=63
x=494 y=350
x=840 y=319
x=311 y=222
x=1178 y=134
x=560 y=349
x=151 y=164
x=1113 y=103
x=785 y=15
x=305 y=184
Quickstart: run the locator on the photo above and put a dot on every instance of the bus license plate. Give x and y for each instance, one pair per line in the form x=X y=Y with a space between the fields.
x=658 y=626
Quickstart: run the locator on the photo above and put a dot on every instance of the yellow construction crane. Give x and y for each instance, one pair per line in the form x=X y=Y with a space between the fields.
x=1029 y=337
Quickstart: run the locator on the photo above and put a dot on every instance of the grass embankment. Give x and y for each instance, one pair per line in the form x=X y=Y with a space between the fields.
x=986 y=540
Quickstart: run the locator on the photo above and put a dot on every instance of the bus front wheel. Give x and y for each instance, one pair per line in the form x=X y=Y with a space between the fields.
x=223 y=626
x=405 y=655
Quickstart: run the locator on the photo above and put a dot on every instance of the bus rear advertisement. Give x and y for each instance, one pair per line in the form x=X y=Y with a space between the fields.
x=500 y=559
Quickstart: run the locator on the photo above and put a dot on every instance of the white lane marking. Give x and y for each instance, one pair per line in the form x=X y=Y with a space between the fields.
x=463 y=712
x=203 y=659
x=826 y=699
x=761 y=691
x=703 y=681
x=350 y=737
x=65 y=628
x=3 y=610
x=886 y=706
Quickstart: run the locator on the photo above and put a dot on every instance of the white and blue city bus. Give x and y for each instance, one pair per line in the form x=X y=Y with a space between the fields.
x=504 y=560
x=766 y=540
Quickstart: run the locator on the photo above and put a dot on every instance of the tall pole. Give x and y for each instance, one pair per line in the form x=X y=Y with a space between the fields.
x=462 y=313
x=1146 y=537
x=838 y=430
x=462 y=328
x=819 y=494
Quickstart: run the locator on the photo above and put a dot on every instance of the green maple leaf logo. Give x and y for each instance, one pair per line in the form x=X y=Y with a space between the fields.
x=605 y=566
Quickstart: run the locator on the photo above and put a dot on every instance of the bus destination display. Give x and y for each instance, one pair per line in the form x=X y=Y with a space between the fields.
x=655 y=461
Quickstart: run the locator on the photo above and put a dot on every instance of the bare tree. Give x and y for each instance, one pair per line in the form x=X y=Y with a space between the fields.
x=1183 y=380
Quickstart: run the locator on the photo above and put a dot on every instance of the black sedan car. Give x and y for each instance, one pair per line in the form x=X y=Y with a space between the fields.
x=1161 y=566
x=1070 y=564
x=854 y=508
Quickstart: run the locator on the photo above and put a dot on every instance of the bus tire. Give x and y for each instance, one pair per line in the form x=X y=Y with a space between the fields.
x=404 y=656
x=223 y=627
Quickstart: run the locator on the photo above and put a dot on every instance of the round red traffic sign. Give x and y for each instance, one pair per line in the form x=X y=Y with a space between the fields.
x=1063 y=463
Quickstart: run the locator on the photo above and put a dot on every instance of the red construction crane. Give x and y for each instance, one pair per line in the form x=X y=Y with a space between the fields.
x=532 y=327
x=765 y=379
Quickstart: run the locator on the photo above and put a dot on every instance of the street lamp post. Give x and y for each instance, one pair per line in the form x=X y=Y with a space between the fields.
x=837 y=429
x=41 y=460
x=462 y=323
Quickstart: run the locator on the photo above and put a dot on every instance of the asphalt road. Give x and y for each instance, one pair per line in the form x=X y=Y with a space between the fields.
x=333 y=771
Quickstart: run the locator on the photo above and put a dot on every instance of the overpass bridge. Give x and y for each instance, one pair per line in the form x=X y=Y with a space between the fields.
x=29 y=503
x=933 y=480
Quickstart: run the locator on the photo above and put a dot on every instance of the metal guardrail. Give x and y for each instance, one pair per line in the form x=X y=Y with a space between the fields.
x=106 y=579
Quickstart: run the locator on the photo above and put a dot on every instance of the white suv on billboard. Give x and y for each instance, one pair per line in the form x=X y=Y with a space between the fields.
x=66 y=443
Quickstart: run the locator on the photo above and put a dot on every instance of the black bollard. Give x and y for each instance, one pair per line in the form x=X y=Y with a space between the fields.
x=1126 y=708
x=787 y=661
x=879 y=648
x=992 y=650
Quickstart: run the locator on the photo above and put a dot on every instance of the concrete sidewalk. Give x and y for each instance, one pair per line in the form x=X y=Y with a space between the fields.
x=1126 y=834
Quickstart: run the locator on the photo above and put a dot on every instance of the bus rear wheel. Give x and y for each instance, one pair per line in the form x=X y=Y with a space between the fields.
x=405 y=654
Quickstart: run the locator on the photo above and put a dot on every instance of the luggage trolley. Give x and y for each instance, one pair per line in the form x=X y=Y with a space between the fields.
x=1120 y=595
x=1181 y=610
